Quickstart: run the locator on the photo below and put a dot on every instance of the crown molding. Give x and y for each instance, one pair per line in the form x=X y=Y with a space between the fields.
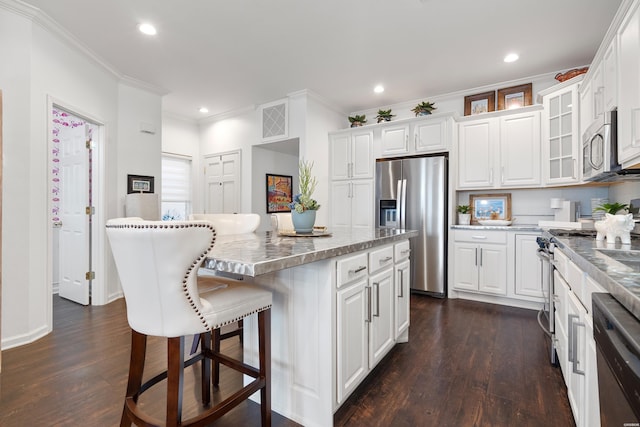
x=139 y=84
x=228 y=114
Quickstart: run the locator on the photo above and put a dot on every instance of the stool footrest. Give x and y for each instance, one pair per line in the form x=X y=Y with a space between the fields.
x=233 y=363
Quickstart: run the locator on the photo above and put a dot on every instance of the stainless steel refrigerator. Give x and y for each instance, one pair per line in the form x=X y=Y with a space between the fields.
x=411 y=193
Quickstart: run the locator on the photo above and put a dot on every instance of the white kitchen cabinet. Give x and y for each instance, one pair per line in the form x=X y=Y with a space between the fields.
x=395 y=139
x=381 y=316
x=365 y=313
x=480 y=267
x=528 y=268
x=476 y=153
x=576 y=342
x=562 y=147
x=561 y=290
x=351 y=154
x=610 y=76
x=629 y=84
x=352 y=203
x=403 y=295
x=520 y=150
x=586 y=105
x=501 y=150
x=427 y=134
x=352 y=338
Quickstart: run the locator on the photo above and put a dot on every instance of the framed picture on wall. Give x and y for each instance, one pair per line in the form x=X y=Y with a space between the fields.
x=139 y=184
x=514 y=97
x=279 y=193
x=479 y=103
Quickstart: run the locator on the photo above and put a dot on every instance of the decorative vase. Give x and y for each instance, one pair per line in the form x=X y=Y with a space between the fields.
x=303 y=222
x=356 y=124
x=423 y=113
x=464 y=219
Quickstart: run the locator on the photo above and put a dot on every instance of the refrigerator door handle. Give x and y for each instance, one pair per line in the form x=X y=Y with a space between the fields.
x=400 y=205
x=403 y=202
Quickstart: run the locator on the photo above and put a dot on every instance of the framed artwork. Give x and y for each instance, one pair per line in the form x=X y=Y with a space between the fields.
x=490 y=206
x=279 y=193
x=480 y=103
x=139 y=184
x=514 y=97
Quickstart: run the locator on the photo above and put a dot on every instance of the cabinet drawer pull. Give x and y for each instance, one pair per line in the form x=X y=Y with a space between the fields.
x=385 y=259
x=479 y=237
x=358 y=270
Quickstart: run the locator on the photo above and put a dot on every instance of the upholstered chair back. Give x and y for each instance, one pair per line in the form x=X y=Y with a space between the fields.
x=157 y=262
x=226 y=224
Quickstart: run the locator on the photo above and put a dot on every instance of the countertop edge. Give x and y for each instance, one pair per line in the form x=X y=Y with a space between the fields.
x=617 y=289
x=301 y=259
x=512 y=227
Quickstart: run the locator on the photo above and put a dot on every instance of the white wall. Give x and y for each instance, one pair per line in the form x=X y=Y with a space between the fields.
x=239 y=132
x=182 y=136
x=273 y=162
x=38 y=66
x=624 y=192
x=528 y=206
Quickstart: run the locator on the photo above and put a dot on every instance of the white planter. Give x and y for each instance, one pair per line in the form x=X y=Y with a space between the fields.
x=464 y=219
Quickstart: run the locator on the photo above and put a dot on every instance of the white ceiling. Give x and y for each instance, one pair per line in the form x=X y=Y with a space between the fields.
x=228 y=55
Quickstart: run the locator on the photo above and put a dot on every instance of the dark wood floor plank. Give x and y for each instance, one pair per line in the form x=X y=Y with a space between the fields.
x=466 y=364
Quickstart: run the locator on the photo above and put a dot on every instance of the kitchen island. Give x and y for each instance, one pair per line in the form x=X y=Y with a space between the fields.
x=338 y=307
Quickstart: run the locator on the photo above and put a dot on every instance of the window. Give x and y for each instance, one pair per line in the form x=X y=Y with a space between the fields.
x=176 y=187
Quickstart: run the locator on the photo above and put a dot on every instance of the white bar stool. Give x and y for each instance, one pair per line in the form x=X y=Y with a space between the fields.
x=157 y=262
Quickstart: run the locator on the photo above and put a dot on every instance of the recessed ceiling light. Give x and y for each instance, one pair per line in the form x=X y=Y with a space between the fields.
x=378 y=89
x=203 y=110
x=147 y=29
x=512 y=57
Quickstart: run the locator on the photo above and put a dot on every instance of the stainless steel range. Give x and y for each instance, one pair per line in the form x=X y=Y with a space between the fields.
x=546 y=318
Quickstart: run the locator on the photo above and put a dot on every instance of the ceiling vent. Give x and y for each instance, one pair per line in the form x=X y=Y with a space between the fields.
x=275 y=120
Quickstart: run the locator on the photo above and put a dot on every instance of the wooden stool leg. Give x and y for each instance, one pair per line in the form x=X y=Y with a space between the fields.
x=206 y=368
x=241 y=330
x=175 y=375
x=136 y=369
x=264 y=334
x=216 y=364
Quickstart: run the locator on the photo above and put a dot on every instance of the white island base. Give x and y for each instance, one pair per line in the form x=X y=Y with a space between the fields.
x=332 y=322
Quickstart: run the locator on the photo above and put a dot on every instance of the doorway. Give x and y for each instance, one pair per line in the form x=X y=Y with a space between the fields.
x=73 y=139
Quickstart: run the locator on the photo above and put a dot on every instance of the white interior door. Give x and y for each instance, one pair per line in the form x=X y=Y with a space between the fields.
x=74 y=199
x=222 y=183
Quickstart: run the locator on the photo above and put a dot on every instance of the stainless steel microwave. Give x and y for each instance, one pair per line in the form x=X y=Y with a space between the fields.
x=600 y=150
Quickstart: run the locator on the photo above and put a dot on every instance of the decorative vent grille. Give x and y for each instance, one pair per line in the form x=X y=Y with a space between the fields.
x=274 y=121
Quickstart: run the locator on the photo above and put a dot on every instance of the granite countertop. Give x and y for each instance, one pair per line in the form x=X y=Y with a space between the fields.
x=621 y=281
x=512 y=227
x=259 y=253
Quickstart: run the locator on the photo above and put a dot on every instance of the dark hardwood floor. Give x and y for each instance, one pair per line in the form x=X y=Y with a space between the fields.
x=467 y=364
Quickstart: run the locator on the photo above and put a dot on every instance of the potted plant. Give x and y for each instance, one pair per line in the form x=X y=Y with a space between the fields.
x=357 y=120
x=611 y=208
x=423 y=109
x=464 y=216
x=304 y=207
x=384 y=115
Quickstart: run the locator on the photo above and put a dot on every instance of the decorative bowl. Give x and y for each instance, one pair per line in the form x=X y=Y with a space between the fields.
x=494 y=222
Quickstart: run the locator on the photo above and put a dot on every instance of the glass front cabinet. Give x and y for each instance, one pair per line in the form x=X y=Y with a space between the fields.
x=561 y=139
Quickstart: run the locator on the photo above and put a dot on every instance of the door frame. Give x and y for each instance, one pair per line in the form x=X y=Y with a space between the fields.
x=98 y=290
